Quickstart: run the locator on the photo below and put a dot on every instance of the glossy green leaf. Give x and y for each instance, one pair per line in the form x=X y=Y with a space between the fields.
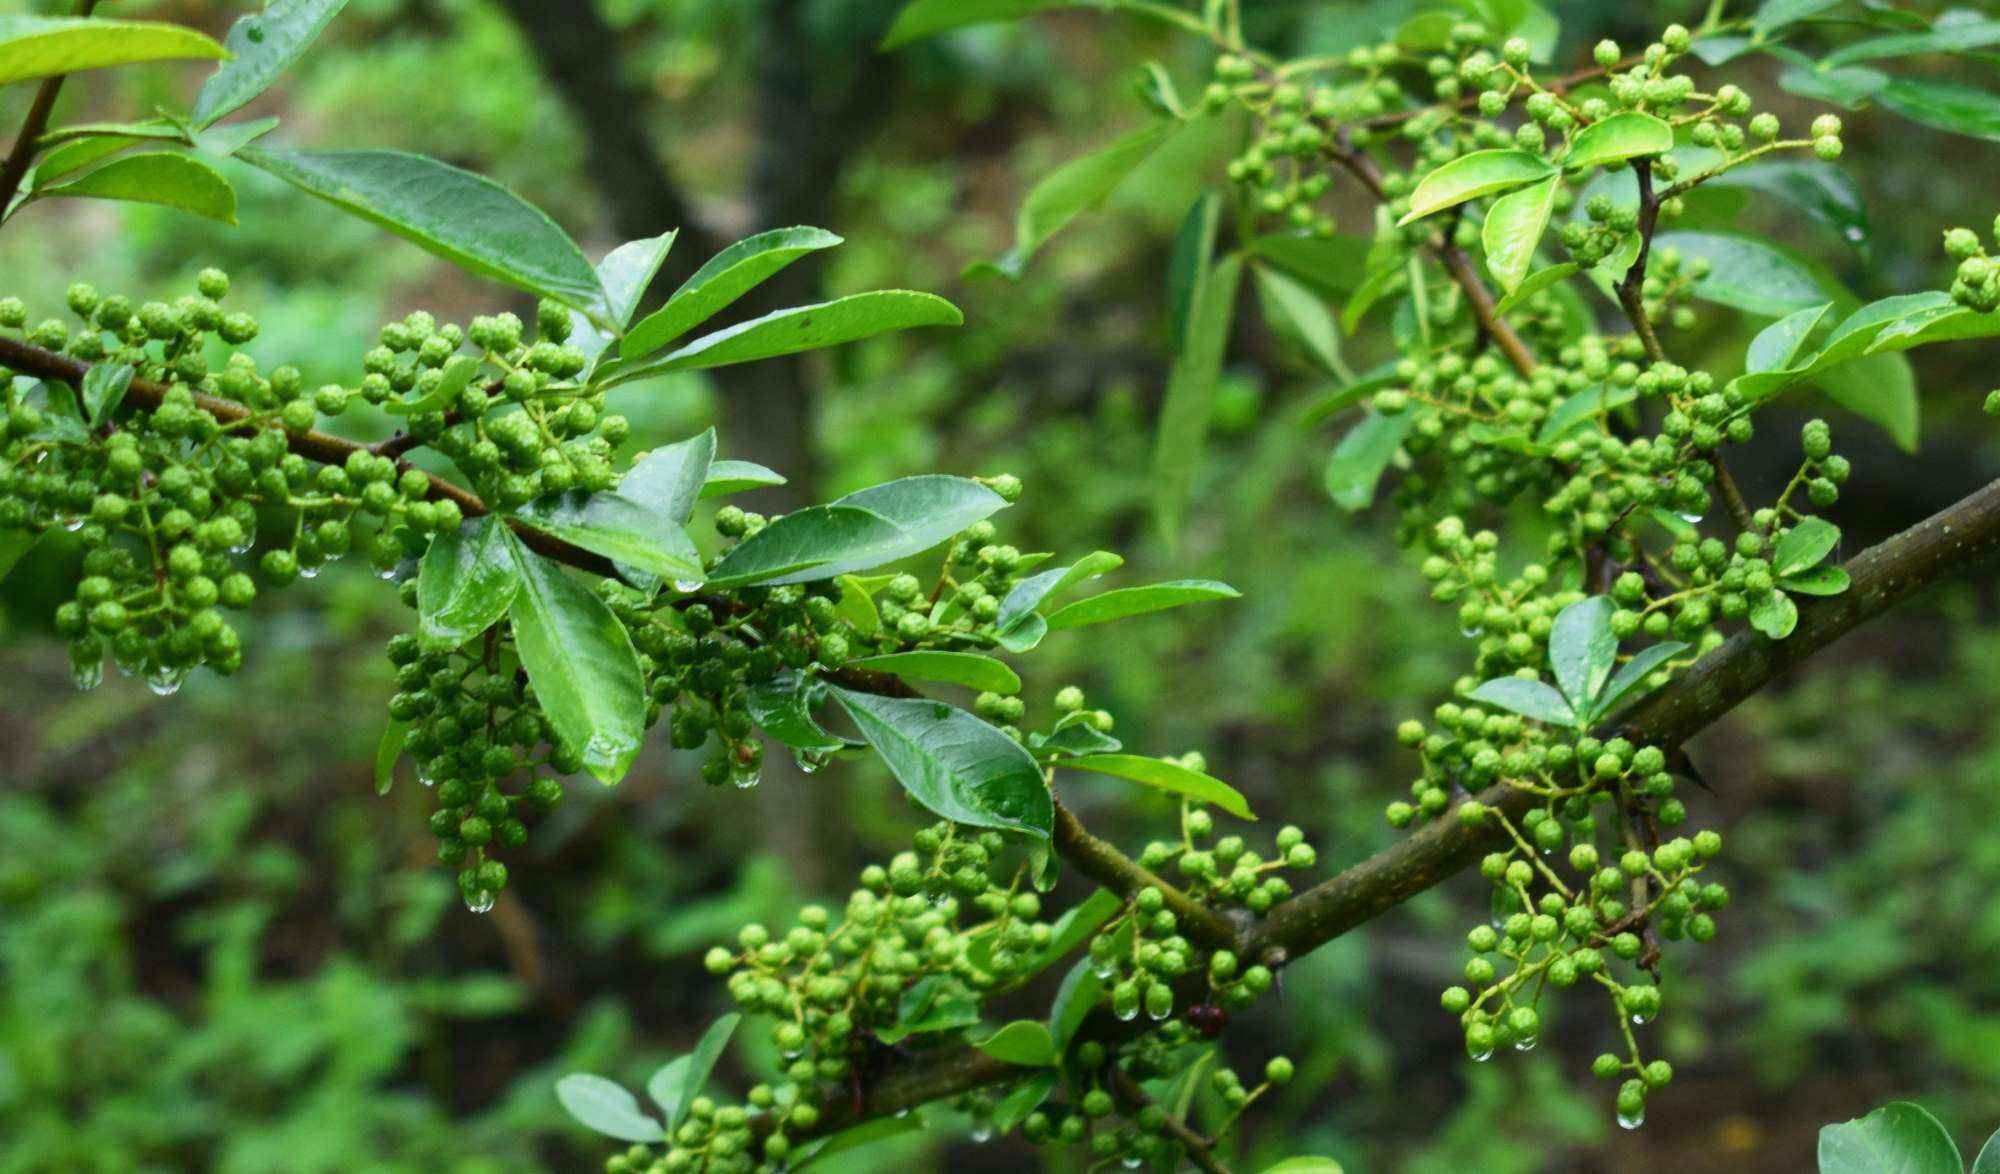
x=263 y=45
x=605 y=1107
x=626 y=273
x=1529 y=698
x=1468 y=177
x=1582 y=650
x=467 y=219
x=1362 y=456
x=951 y=668
x=14 y=546
x=581 y=662
x=1774 y=15
x=103 y=388
x=167 y=178
x=1775 y=615
x=928 y=509
x=41 y=46
x=727 y=477
x=1948 y=106
x=1138 y=601
x=1026 y=1042
x=1880 y=388
x=726 y=277
x=1535 y=283
x=1024 y=1099
x=1334 y=266
x=1163 y=775
x=1076 y=187
x=802 y=328
x=1819 y=581
x=227 y=140
x=466 y=582
x=1297 y=313
x=1513 y=230
x=1628 y=134
x=620 y=529
x=1803 y=546
x=928 y=18
x=1077 y=925
x=1305 y=1165
x=782 y=708
x=1626 y=685
x=1592 y=403
x=669 y=480
x=857 y=606
x=1030 y=593
x=1777 y=345
x=1988 y=1161
x=819 y=542
x=849 y=1140
x=454 y=378
x=679 y=1081
x=388 y=752
x=1072 y=738
x=1746 y=273
x=1825 y=192
x=1898 y=1138
x=1957 y=36
x=954 y=764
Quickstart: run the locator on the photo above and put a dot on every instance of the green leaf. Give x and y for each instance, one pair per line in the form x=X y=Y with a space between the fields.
x=1076 y=926
x=1529 y=698
x=1305 y=1165
x=1334 y=266
x=1582 y=650
x=1626 y=685
x=679 y=1081
x=40 y=46
x=1775 y=615
x=1025 y=1098
x=1746 y=273
x=1988 y=1161
x=1825 y=192
x=264 y=45
x=167 y=178
x=922 y=1010
x=1592 y=403
x=1138 y=601
x=1777 y=345
x=848 y=1140
x=801 y=328
x=954 y=764
x=620 y=529
x=951 y=668
x=466 y=582
x=1018 y=627
x=1898 y=1138
x=1296 y=312
x=456 y=376
x=1535 y=283
x=387 y=752
x=1849 y=87
x=605 y=1107
x=1190 y=398
x=857 y=606
x=1803 y=546
x=782 y=708
x=726 y=277
x=626 y=273
x=1362 y=456
x=580 y=660
x=1073 y=738
x=1163 y=775
x=103 y=389
x=1945 y=37
x=1026 y=1042
x=1822 y=581
x=863 y=530
x=1513 y=230
x=1880 y=388
x=1776 y=14
x=1628 y=134
x=14 y=546
x=927 y=18
x=669 y=480
x=727 y=477
x=225 y=141
x=1468 y=177
x=1076 y=187
x=467 y=219
x=1948 y=106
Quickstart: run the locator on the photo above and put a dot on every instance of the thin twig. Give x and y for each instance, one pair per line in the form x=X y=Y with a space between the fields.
x=1199 y=1149
x=22 y=156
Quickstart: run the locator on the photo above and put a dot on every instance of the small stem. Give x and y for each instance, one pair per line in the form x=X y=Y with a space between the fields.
x=1199 y=1149
x=1632 y=290
x=18 y=160
x=1118 y=872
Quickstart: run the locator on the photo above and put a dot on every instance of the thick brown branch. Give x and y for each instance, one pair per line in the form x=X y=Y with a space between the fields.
x=1114 y=870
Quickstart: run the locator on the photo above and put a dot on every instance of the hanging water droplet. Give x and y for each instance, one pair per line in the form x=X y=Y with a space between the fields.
x=1126 y=1013
x=746 y=779
x=1526 y=1045
x=166 y=682
x=1131 y=1161
x=1481 y=1057
x=982 y=1133
x=808 y=762
x=73 y=525
x=902 y=1113
x=388 y=576
x=1855 y=234
x=309 y=572
x=1469 y=633
x=243 y=547
x=1159 y=1013
x=1641 y=1020
x=1103 y=969
x=1632 y=1120
x=687 y=586
x=1691 y=519
x=480 y=900
x=87 y=676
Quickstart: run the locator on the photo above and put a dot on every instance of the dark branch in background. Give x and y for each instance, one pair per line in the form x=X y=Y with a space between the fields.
x=15 y=167
x=577 y=51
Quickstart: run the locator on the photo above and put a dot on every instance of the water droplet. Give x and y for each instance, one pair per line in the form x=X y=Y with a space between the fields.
x=1641 y=1020
x=1481 y=1057
x=902 y=1113
x=982 y=1133
x=1126 y=1014
x=1131 y=1161
x=166 y=682
x=1161 y=1014
x=1855 y=234
x=1469 y=633
x=479 y=901
x=1103 y=969
x=73 y=525
x=687 y=586
x=309 y=572
x=1691 y=519
x=1526 y=1045
x=87 y=676
x=746 y=779
x=809 y=763
x=243 y=547
x=1632 y=1120
x=388 y=576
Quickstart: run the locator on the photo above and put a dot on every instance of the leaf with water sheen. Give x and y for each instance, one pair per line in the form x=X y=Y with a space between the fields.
x=1362 y=456
x=1529 y=698
x=951 y=668
x=465 y=583
x=1513 y=230
x=1026 y=1042
x=1628 y=134
x=620 y=529
x=727 y=477
x=726 y=277
x=580 y=660
x=1468 y=177
x=954 y=764
x=1582 y=650
x=1163 y=775
x=1898 y=1138
x=669 y=480
x=43 y=46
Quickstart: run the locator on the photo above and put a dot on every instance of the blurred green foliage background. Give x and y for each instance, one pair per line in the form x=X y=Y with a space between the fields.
x=220 y=950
